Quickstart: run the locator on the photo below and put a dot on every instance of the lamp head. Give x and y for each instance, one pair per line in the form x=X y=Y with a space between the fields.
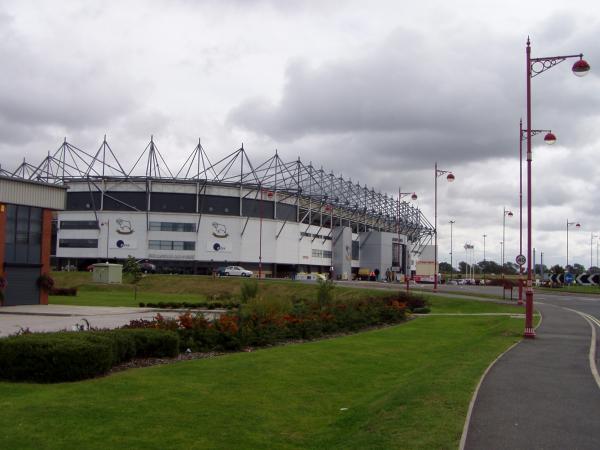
x=450 y=177
x=413 y=196
x=581 y=68
x=550 y=138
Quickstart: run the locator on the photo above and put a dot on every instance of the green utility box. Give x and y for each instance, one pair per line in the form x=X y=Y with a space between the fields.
x=107 y=273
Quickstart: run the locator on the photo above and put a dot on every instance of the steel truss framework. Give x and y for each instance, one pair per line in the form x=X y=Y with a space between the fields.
x=320 y=198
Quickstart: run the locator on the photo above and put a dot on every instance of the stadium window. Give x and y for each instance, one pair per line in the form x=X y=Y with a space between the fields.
x=78 y=224
x=78 y=243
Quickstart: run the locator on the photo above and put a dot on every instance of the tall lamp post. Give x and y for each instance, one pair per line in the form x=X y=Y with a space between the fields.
x=452 y=222
x=592 y=236
x=570 y=224
x=269 y=195
x=107 y=223
x=450 y=178
x=549 y=139
x=504 y=215
x=534 y=67
x=413 y=197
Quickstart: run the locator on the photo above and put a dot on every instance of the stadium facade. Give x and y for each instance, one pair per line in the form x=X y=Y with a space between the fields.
x=276 y=217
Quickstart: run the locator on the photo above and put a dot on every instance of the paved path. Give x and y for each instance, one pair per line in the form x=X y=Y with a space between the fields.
x=60 y=317
x=542 y=394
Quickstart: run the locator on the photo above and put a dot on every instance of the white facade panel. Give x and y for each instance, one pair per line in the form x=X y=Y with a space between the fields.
x=30 y=193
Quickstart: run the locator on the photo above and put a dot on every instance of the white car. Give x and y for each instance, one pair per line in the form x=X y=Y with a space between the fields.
x=237 y=271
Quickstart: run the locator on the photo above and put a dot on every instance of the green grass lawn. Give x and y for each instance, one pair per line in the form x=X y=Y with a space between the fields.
x=182 y=288
x=406 y=386
x=465 y=306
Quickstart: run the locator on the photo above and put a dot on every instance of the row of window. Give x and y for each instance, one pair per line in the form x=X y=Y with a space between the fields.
x=152 y=226
x=172 y=226
x=153 y=245
x=23 y=234
x=171 y=245
x=316 y=253
x=78 y=243
x=318 y=236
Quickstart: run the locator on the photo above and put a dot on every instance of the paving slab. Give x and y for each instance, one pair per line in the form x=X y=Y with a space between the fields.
x=39 y=318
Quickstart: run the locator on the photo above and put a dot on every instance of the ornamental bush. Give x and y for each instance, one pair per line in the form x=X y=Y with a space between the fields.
x=71 y=356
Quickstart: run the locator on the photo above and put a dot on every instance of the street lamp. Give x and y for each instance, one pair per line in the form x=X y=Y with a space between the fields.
x=536 y=66
x=452 y=222
x=592 y=236
x=413 y=197
x=570 y=224
x=450 y=178
x=269 y=195
x=549 y=139
x=504 y=215
x=107 y=223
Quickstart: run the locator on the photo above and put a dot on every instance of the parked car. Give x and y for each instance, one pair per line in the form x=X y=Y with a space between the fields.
x=147 y=267
x=237 y=271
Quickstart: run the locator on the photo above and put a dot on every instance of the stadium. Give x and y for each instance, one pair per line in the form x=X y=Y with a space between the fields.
x=275 y=218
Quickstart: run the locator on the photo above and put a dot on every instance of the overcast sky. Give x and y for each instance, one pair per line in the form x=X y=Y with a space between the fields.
x=377 y=91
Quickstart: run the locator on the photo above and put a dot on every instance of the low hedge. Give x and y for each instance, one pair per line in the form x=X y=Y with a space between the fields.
x=190 y=305
x=71 y=356
x=71 y=292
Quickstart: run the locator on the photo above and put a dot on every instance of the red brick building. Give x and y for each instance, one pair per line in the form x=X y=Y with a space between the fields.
x=26 y=209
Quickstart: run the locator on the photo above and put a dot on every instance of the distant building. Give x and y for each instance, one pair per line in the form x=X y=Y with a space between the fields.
x=277 y=218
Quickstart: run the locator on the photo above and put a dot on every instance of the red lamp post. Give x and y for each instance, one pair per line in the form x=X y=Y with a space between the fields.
x=413 y=197
x=549 y=139
x=570 y=224
x=504 y=215
x=450 y=178
x=534 y=67
x=269 y=195
x=329 y=209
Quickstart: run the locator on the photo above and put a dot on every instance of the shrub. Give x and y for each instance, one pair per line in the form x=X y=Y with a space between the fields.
x=71 y=356
x=45 y=282
x=412 y=300
x=152 y=343
x=133 y=269
x=249 y=290
x=325 y=293
x=54 y=357
x=72 y=292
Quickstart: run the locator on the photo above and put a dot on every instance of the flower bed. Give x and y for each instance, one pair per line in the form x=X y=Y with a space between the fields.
x=266 y=322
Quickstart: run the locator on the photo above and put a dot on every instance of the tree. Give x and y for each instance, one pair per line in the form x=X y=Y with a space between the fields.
x=557 y=269
x=489 y=267
x=132 y=267
x=463 y=267
x=577 y=269
x=446 y=268
x=510 y=268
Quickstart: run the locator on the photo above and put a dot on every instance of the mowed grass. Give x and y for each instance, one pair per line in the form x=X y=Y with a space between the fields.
x=406 y=386
x=451 y=305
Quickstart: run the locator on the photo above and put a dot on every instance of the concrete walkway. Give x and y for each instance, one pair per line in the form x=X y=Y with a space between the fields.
x=63 y=317
x=541 y=394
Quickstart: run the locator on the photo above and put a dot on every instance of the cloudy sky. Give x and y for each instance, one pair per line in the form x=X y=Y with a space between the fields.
x=377 y=91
